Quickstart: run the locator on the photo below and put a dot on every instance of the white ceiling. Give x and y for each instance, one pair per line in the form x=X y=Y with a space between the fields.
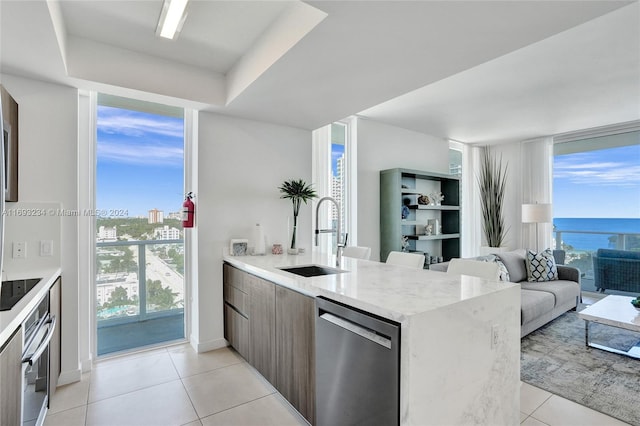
x=474 y=71
x=217 y=35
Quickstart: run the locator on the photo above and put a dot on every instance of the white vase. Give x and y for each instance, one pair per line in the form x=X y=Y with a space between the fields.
x=486 y=250
x=258 y=240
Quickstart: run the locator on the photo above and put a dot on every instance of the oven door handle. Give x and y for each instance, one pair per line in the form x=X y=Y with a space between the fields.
x=45 y=343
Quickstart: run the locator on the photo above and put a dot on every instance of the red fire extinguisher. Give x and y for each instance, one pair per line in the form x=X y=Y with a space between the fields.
x=188 y=211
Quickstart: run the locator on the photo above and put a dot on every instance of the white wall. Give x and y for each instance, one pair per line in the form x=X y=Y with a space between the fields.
x=240 y=165
x=382 y=146
x=31 y=223
x=47 y=172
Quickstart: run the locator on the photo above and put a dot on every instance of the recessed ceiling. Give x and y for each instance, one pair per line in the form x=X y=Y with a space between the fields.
x=473 y=71
x=215 y=35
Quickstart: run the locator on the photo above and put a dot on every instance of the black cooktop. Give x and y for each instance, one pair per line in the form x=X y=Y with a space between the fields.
x=12 y=291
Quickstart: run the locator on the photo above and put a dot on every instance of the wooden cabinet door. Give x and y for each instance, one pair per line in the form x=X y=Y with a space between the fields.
x=11 y=380
x=236 y=330
x=295 y=353
x=54 y=347
x=262 y=326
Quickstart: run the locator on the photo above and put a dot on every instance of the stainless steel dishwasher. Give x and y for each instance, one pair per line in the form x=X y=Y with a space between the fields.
x=357 y=367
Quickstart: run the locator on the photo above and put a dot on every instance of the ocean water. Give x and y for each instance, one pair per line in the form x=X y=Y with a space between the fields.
x=592 y=242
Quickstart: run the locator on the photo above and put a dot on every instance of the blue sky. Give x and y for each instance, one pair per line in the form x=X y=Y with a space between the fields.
x=598 y=184
x=140 y=161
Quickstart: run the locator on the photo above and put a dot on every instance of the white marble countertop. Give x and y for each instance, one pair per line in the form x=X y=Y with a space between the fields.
x=11 y=319
x=393 y=292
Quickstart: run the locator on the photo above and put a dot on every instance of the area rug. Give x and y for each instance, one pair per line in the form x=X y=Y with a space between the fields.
x=555 y=358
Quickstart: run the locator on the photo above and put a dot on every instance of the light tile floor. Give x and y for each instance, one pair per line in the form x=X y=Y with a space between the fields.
x=177 y=386
x=171 y=386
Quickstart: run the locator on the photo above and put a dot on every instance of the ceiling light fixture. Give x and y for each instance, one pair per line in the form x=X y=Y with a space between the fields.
x=171 y=18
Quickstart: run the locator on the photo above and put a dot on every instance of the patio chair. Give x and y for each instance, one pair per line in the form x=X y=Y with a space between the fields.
x=617 y=270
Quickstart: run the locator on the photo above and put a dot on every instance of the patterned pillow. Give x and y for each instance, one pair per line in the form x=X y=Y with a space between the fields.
x=541 y=266
x=503 y=273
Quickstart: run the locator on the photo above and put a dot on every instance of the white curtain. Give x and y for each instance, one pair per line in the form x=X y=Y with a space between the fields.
x=321 y=177
x=471 y=210
x=537 y=187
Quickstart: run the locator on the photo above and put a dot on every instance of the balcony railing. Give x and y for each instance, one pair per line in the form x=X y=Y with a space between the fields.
x=138 y=281
x=582 y=257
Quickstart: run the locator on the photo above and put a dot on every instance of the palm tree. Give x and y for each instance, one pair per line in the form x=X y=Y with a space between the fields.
x=297 y=191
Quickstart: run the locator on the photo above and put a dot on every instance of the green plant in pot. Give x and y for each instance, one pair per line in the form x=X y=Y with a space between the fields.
x=492 y=182
x=297 y=191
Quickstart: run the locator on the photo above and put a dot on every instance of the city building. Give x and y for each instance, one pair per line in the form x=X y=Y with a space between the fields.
x=156 y=216
x=166 y=233
x=107 y=233
x=337 y=192
x=107 y=283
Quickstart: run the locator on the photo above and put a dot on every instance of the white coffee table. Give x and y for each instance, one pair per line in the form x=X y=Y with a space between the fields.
x=615 y=311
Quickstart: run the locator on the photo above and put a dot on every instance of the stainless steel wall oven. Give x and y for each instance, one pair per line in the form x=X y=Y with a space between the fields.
x=38 y=328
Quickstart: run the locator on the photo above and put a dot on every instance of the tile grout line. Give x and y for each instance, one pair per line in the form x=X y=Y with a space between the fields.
x=538 y=407
x=184 y=387
x=236 y=406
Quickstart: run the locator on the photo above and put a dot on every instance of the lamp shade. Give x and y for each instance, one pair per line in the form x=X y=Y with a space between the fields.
x=536 y=213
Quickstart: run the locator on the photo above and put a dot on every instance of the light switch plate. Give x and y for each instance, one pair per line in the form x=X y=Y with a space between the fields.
x=46 y=248
x=19 y=250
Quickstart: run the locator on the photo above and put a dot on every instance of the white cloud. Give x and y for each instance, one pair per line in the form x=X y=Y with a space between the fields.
x=131 y=123
x=148 y=154
x=598 y=173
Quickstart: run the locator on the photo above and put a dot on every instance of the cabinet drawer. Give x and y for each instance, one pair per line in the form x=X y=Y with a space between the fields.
x=236 y=330
x=234 y=277
x=236 y=298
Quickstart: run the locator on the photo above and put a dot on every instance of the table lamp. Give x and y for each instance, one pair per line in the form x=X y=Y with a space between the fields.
x=536 y=213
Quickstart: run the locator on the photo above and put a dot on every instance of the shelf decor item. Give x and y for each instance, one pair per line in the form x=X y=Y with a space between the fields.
x=238 y=247
x=297 y=191
x=436 y=198
x=492 y=182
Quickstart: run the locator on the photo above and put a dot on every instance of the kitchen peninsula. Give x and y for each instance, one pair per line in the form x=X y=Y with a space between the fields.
x=459 y=345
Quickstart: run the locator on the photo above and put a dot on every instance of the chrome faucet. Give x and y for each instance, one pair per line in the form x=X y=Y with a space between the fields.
x=339 y=246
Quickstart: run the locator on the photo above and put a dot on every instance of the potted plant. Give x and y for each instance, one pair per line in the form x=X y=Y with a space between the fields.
x=297 y=191
x=492 y=182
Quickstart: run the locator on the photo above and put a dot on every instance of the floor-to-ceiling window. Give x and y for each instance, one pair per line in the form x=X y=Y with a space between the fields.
x=334 y=176
x=139 y=263
x=596 y=197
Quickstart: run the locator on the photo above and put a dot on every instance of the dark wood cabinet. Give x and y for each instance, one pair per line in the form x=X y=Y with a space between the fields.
x=10 y=140
x=262 y=327
x=295 y=350
x=55 y=345
x=236 y=313
x=275 y=326
x=236 y=330
x=11 y=380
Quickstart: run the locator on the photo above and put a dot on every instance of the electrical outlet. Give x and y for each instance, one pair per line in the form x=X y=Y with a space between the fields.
x=495 y=335
x=46 y=248
x=19 y=250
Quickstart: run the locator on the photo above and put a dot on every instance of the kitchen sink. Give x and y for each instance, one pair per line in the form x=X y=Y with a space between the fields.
x=312 y=270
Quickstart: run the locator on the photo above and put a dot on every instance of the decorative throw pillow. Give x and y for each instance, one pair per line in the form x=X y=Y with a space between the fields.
x=541 y=266
x=503 y=273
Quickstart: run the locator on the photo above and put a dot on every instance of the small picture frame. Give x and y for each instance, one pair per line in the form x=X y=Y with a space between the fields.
x=238 y=247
